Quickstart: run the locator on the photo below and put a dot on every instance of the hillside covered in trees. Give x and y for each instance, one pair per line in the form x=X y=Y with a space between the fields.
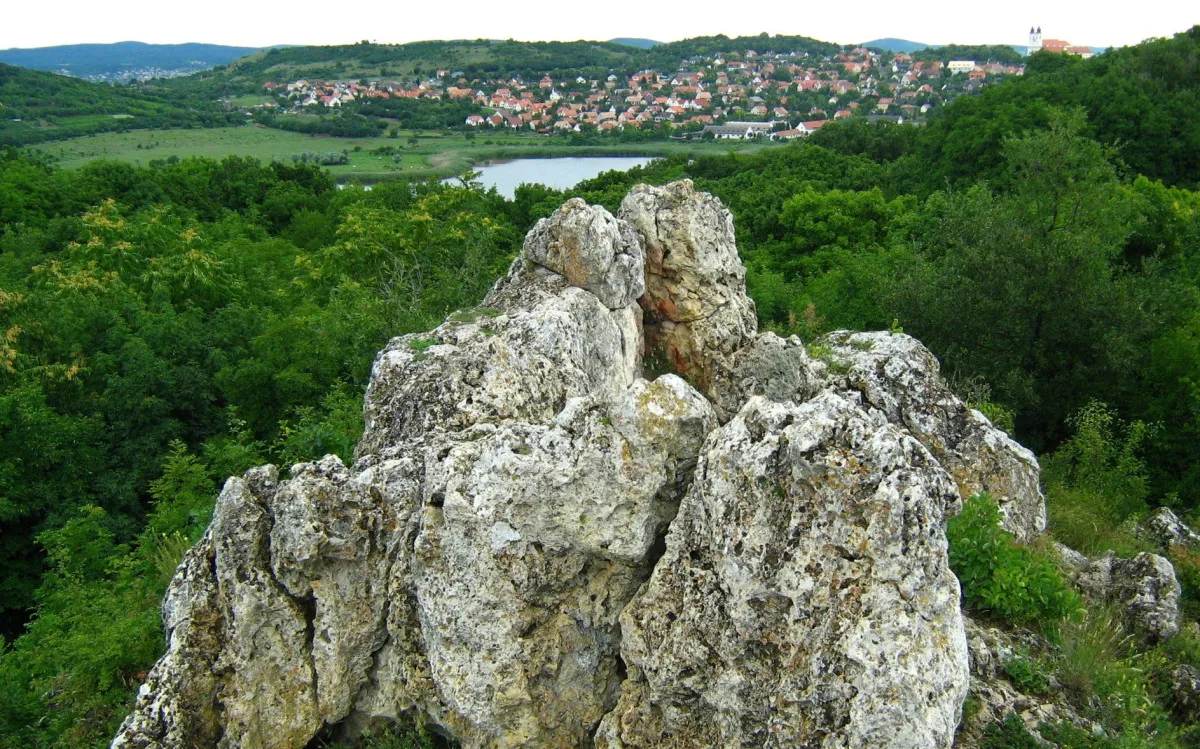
x=36 y=107
x=165 y=327
x=481 y=58
x=122 y=60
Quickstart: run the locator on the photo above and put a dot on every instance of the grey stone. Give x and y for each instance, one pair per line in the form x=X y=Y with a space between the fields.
x=697 y=309
x=901 y=378
x=1144 y=587
x=1168 y=530
x=805 y=597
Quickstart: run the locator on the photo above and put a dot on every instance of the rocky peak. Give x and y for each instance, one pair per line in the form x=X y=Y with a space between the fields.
x=538 y=547
x=696 y=308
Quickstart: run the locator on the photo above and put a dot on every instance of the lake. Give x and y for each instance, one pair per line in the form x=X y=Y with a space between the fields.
x=559 y=173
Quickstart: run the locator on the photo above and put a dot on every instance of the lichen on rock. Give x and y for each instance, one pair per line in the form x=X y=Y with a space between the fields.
x=1143 y=588
x=805 y=598
x=901 y=378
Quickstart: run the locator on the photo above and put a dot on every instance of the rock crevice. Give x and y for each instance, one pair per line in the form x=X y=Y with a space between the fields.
x=537 y=546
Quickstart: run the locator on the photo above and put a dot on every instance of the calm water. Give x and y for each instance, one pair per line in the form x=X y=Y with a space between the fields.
x=557 y=173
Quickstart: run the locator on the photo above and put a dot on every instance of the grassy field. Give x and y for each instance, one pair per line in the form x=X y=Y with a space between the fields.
x=433 y=154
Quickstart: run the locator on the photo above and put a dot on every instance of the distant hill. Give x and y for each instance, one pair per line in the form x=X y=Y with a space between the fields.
x=123 y=60
x=36 y=106
x=476 y=58
x=897 y=45
x=639 y=43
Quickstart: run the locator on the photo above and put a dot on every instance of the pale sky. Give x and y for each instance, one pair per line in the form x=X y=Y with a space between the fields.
x=1102 y=23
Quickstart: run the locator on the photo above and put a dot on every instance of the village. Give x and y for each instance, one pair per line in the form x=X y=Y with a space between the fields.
x=733 y=95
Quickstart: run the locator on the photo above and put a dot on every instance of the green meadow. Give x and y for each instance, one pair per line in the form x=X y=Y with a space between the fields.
x=431 y=154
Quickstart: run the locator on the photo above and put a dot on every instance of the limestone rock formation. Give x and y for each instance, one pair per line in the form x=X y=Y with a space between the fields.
x=1185 y=691
x=805 y=598
x=995 y=695
x=1144 y=587
x=1167 y=530
x=537 y=546
x=900 y=377
x=590 y=249
x=697 y=310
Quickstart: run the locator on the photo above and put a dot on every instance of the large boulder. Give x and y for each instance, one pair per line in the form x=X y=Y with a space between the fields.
x=1166 y=529
x=901 y=378
x=1143 y=587
x=591 y=249
x=1185 y=692
x=805 y=597
x=512 y=490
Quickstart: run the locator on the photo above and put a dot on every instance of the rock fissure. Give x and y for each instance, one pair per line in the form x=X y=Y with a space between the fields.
x=538 y=547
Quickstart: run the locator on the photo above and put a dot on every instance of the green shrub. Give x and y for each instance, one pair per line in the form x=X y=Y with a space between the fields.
x=1008 y=734
x=403 y=733
x=1110 y=680
x=1026 y=674
x=977 y=394
x=1000 y=576
x=1066 y=736
x=1187 y=571
x=1096 y=481
x=335 y=429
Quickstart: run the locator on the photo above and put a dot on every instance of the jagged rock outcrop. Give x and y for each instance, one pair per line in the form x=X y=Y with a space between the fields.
x=900 y=377
x=1185 y=691
x=1166 y=529
x=697 y=310
x=591 y=249
x=1144 y=587
x=537 y=547
x=805 y=598
x=992 y=651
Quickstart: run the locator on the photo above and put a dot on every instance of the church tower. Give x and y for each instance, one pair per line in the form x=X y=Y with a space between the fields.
x=1035 y=39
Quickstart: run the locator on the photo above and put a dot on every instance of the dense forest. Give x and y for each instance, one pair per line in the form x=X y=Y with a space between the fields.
x=167 y=326
x=992 y=52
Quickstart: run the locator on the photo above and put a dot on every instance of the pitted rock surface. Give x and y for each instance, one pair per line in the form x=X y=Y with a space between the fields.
x=537 y=547
x=901 y=378
x=591 y=249
x=1185 y=691
x=996 y=697
x=1144 y=587
x=1167 y=530
x=697 y=309
x=805 y=597
x=514 y=477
